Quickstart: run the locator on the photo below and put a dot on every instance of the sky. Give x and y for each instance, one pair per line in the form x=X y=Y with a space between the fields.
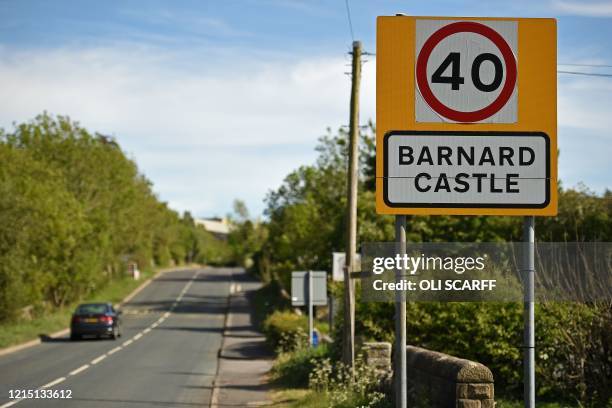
x=220 y=100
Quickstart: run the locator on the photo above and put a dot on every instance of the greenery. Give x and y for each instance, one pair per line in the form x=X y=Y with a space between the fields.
x=74 y=211
x=306 y=223
x=286 y=330
x=293 y=368
x=12 y=333
x=346 y=389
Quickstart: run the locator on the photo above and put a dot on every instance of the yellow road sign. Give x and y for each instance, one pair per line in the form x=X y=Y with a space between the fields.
x=466 y=116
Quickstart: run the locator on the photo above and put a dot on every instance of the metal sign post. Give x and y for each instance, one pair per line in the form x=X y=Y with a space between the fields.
x=466 y=112
x=309 y=289
x=310 y=309
x=529 y=312
x=401 y=375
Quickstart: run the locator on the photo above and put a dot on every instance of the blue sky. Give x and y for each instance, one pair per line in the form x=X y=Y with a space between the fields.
x=220 y=100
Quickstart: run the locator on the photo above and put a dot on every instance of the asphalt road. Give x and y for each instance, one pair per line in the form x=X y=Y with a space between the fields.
x=167 y=356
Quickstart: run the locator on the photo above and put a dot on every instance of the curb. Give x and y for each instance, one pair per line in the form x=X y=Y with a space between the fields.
x=130 y=296
x=214 y=395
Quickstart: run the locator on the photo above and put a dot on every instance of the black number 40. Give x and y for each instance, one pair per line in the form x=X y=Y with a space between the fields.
x=455 y=79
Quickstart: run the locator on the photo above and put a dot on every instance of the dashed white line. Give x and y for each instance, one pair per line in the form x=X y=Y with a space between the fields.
x=10 y=404
x=97 y=360
x=54 y=382
x=118 y=348
x=78 y=370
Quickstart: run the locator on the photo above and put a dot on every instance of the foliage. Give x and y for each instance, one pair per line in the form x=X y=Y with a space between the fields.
x=267 y=300
x=293 y=368
x=285 y=330
x=74 y=209
x=12 y=333
x=345 y=389
x=306 y=223
x=573 y=354
x=245 y=238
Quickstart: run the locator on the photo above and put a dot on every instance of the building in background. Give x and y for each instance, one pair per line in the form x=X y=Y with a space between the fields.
x=219 y=227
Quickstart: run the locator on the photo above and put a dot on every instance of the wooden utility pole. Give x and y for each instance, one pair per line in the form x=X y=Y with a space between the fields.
x=348 y=343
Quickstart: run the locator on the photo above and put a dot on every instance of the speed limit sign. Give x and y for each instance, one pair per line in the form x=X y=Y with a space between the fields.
x=466 y=71
x=466 y=114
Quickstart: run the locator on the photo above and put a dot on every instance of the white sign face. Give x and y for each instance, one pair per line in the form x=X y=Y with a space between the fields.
x=466 y=71
x=338 y=263
x=466 y=169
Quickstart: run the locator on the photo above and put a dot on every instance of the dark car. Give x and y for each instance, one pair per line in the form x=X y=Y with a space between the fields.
x=95 y=319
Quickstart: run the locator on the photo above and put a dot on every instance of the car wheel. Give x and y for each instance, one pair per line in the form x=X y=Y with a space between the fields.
x=115 y=334
x=74 y=337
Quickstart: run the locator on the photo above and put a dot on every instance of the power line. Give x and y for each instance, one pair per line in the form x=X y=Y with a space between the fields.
x=585 y=74
x=350 y=21
x=588 y=65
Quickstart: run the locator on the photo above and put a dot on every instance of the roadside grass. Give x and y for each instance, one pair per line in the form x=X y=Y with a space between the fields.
x=19 y=332
x=298 y=398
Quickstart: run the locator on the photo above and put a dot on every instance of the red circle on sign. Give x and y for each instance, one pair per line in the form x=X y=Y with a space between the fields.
x=427 y=93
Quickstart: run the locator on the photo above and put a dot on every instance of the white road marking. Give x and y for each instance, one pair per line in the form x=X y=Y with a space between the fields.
x=10 y=404
x=97 y=360
x=118 y=348
x=54 y=382
x=78 y=370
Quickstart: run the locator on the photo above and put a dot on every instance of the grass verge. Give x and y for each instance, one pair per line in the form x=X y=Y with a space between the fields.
x=19 y=332
x=298 y=398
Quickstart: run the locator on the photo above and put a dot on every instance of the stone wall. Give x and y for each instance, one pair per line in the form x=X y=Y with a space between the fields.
x=437 y=380
x=444 y=381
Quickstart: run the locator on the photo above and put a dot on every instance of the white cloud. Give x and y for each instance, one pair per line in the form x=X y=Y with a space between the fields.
x=208 y=127
x=198 y=124
x=584 y=8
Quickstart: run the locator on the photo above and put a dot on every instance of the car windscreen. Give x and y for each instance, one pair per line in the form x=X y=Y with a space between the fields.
x=92 y=309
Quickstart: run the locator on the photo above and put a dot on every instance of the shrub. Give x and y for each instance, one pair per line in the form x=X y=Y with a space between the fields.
x=285 y=330
x=344 y=390
x=293 y=368
x=573 y=342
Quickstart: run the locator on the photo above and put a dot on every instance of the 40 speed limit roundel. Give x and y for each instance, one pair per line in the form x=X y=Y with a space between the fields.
x=466 y=71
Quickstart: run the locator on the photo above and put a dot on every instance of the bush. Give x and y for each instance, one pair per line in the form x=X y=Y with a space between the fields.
x=293 y=368
x=74 y=210
x=573 y=342
x=344 y=390
x=286 y=331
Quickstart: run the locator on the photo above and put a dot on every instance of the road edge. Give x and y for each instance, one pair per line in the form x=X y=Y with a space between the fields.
x=130 y=296
x=214 y=394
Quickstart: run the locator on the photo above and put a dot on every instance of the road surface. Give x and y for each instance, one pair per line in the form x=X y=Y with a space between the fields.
x=167 y=356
